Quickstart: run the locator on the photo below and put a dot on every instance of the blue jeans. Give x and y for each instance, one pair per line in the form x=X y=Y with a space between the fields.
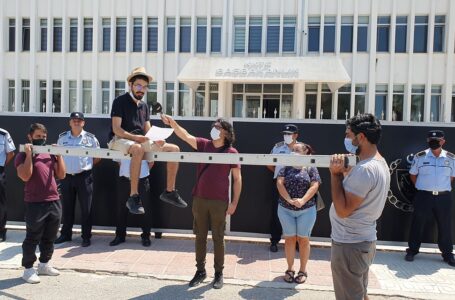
x=297 y=222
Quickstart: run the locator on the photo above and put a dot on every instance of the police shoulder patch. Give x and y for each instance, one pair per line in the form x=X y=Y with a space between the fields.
x=451 y=155
x=279 y=144
x=3 y=132
x=62 y=134
x=420 y=154
x=90 y=135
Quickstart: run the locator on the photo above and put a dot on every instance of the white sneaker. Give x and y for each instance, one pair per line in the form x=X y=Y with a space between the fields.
x=30 y=276
x=46 y=269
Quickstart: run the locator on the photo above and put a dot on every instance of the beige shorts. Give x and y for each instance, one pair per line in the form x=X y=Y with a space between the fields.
x=123 y=145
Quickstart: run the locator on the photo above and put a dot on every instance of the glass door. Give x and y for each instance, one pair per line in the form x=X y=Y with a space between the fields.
x=253 y=106
x=271 y=106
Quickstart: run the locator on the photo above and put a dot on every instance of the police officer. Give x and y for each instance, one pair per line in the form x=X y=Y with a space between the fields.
x=6 y=155
x=432 y=172
x=290 y=134
x=78 y=180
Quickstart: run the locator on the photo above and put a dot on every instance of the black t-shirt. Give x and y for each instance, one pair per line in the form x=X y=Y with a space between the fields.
x=133 y=116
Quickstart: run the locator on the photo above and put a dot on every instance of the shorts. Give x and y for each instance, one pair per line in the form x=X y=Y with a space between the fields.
x=123 y=145
x=297 y=222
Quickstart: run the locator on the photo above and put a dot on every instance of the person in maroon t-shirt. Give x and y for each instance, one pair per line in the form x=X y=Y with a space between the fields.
x=43 y=209
x=211 y=194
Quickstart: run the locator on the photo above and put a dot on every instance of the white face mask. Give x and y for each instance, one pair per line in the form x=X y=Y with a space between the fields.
x=214 y=134
x=349 y=146
x=287 y=139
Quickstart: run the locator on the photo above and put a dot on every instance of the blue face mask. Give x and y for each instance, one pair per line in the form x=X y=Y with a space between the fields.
x=349 y=146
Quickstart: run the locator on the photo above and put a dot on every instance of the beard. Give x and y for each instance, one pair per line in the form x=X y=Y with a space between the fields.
x=138 y=96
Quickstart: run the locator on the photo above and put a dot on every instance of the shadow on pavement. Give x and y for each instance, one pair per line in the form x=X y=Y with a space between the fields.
x=9 y=283
x=178 y=291
x=10 y=252
x=258 y=292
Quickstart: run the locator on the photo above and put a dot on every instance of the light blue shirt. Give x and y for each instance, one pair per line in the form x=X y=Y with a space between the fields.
x=6 y=146
x=433 y=173
x=125 y=168
x=280 y=148
x=78 y=164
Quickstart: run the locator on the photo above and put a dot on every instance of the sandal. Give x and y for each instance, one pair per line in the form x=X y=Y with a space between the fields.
x=289 y=276
x=301 y=277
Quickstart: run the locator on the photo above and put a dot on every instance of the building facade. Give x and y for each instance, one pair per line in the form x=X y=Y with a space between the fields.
x=59 y=56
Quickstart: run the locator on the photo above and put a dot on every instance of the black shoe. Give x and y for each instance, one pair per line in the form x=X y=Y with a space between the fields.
x=273 y=247
x=85 y=243
x=198 y=278
x=158 y=235
x=450 y=260
x=62 y=238
x=218 y=281
x=117 y=240
x=134 y=204
x=173 y=198
x=409 y=257
x=3 y=235
x=146 y=241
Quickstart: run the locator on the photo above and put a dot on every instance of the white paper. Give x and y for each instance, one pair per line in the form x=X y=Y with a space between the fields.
x=158 y=133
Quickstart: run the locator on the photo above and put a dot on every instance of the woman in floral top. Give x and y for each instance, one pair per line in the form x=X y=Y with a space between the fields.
x=297 y=211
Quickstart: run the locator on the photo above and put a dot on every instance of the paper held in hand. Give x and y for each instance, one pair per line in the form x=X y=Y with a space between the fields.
x=158 y=133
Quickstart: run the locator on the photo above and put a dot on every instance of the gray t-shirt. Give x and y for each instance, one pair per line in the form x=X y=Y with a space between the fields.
x=369 y=179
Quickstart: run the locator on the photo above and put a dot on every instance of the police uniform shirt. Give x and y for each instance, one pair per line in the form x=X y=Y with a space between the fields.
x=280 y=148
x=125 y=168
x=6 y=146
x=78 y=164
x=433 y=173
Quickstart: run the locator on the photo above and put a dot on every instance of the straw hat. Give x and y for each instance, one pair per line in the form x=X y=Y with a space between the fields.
x=139 y=71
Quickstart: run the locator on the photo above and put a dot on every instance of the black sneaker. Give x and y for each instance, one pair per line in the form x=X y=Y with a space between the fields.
x=118 y=240
x=450 y=260
x=198 y=278
x=158 y=235
x=273 y=247
x=409 y=256
x=85 y=243
x=173 y=198
x=134 y=205
x=218 y=281
x=3 y=235
x=145 y=239
x=62 y=238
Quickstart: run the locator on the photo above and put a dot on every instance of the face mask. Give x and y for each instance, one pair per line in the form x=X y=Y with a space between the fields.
x=434 y=144
x=349 y=146
x=39 y=142
x=214 y=134
x=287 y=139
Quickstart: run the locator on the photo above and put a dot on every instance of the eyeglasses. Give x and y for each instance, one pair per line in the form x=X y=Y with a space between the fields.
x=140 y=87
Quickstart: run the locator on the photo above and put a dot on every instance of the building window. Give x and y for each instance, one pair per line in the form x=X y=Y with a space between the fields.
x=359 y=100
x=106 y=23
x=362 y=33
x=237 y=100
x=347 y=27
x=383 y=33
x=401 y=34
x=120 y=35
x=11 y=95
x=213 y=100
x=25 y=104
x=12 y=35
x=215 y=38
x=201 y=35
x=170 y=37
x=199 y=99
x=105 y=97
x=56 y=96
x=289 y=24
x=88 y=34
x=273 y=34
x=72 y=95
x=73 y=35
x=438 y=42
x=436 y=104
x=25 y=34
x=119 y=88
x=344 y=102
x=87 y=96
x=137 y=34
x=311 y=96
x=417 y=102
x=184 y=100
x=43 y=34
x=239 y=34
x=314 y=26
x=152 y=97
x=329 y=34
x=42 y=95
x=380 y=102
x=185 y=34
x=255 y=35
x=57 y=47
x=420 y=34
x=398 y=102
x=152 y=34
x=326 y=103
x=169 y=98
